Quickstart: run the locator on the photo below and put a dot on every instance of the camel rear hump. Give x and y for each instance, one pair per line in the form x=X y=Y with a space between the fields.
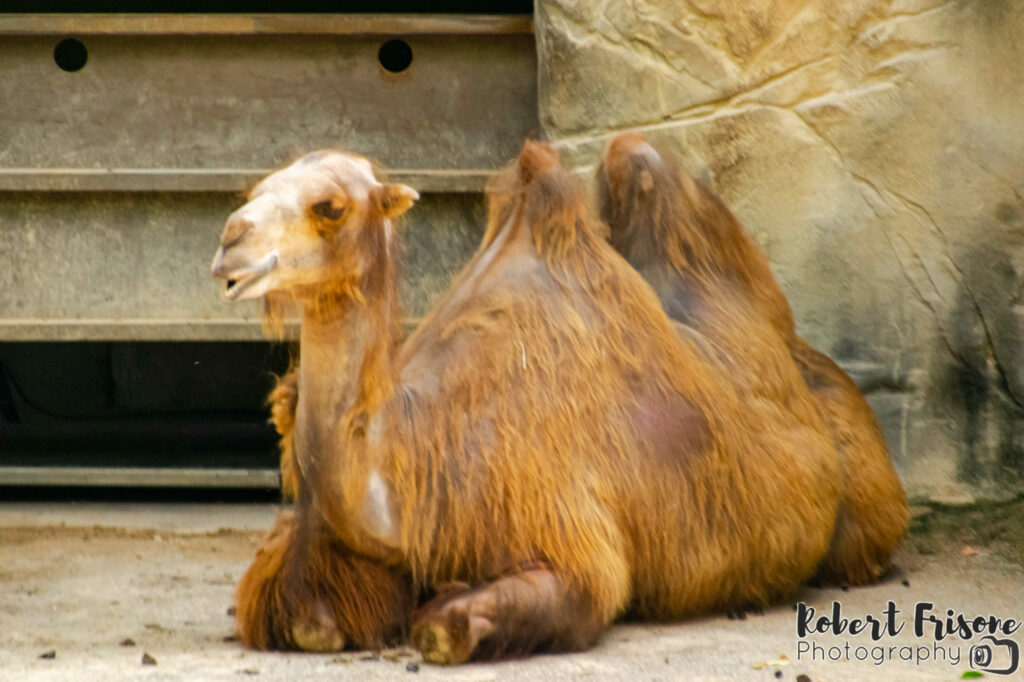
x=711 y=276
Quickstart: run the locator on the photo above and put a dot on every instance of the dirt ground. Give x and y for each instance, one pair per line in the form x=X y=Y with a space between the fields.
x=88 y=591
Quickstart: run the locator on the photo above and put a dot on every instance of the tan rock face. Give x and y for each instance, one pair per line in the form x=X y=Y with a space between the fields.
x=875 y=151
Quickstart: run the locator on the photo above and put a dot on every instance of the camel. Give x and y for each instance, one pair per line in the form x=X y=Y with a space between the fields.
x=694 y=252
x=544 y=454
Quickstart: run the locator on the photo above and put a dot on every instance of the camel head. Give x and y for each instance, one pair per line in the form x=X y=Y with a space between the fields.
x=324 y=218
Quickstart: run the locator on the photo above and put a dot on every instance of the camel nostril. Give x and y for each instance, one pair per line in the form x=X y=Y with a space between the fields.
x=237 y=228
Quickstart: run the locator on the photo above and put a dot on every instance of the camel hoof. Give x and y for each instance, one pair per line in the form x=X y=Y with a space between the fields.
x=444 y=640
x=318 y=635
x=435 y=644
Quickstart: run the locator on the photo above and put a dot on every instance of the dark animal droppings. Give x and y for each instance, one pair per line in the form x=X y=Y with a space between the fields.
x=51 y=654
x=412 y=667
x=148 y=660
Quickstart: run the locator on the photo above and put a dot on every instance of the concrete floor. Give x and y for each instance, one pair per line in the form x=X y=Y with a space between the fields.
x=102 y=585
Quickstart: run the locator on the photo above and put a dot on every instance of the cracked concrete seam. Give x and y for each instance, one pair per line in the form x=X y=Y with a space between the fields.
x=578 y=28
x=728 y=105
x=897 y=18
x=574 y=29
x=916 y=208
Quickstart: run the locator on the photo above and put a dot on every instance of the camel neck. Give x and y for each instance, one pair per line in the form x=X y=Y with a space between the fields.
x=346 y=360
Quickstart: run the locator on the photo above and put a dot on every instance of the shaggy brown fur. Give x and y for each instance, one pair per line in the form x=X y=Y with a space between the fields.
x=328 y=596
x=283 y=401
x=683 y=240
x=545 y=437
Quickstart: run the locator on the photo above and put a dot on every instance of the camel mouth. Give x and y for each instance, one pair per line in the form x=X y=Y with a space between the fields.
x=241 y=281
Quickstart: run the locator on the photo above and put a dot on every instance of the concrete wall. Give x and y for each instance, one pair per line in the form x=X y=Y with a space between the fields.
x=875 y=151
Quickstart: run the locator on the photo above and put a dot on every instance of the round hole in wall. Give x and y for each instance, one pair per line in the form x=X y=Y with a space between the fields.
x=70 y=54
x=395 y=55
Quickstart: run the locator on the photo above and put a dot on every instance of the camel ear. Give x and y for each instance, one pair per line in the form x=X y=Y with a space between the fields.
x=392 y=200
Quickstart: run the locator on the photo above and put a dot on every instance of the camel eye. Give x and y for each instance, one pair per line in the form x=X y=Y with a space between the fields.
x=327 y=210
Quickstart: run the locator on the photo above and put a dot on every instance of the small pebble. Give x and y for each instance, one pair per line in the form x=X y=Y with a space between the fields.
x=906 y=583
x=52 y=653
x=778 y=674
x=803 y=678
x=127 y=641
x=232 y=610
x=412 y=667
x=147 y=659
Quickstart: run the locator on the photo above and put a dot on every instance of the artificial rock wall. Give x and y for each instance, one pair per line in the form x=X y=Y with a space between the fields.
x=874 y=149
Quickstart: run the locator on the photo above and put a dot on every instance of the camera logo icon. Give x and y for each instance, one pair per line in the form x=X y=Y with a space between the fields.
x=998 y=656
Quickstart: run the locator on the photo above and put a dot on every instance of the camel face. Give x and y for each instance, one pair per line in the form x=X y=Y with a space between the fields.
x=300 y=226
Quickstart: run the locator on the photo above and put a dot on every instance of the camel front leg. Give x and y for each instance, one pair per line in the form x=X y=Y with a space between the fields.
x=307 y=591
x=518 y=613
